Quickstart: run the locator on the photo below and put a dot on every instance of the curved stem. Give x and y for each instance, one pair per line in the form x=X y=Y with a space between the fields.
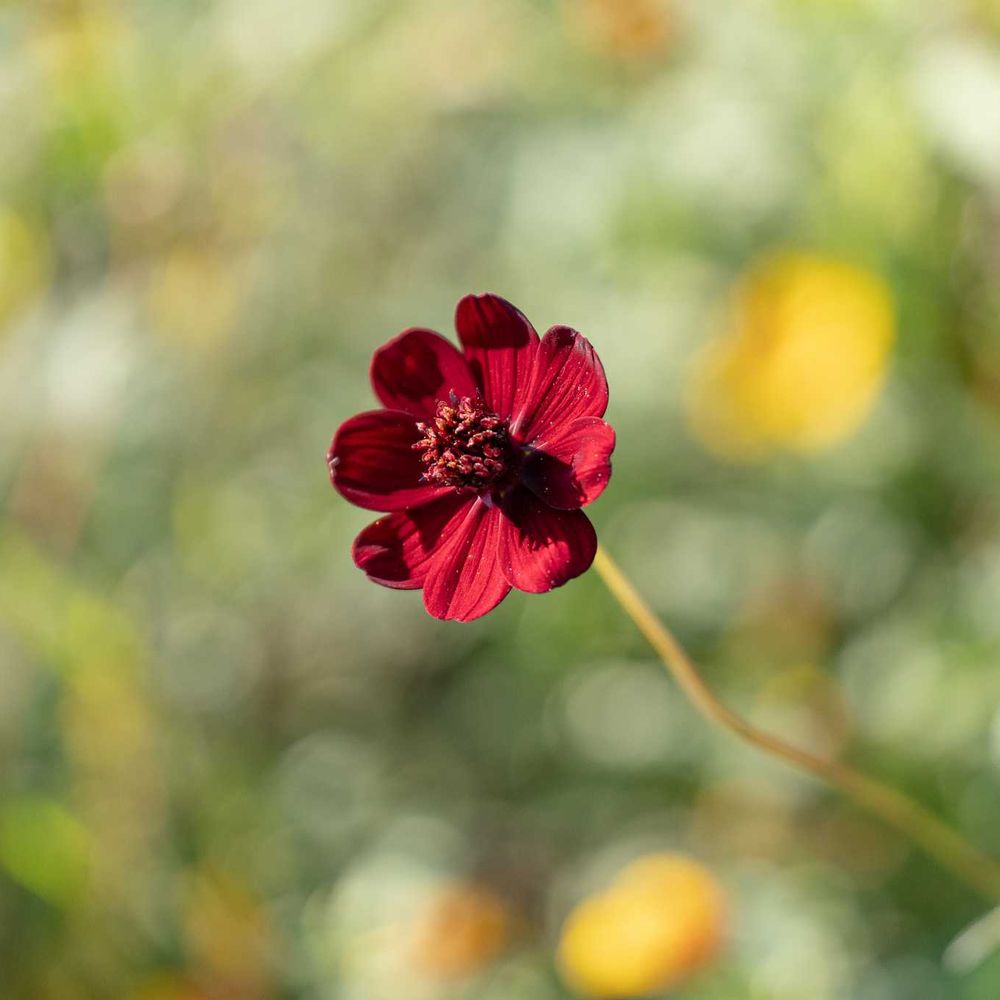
x=936 y=838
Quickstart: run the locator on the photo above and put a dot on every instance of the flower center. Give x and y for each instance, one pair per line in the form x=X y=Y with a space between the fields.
x=464 y=445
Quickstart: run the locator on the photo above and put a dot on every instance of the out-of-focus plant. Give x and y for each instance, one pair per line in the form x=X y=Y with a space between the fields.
x=623 y=29
x=803 y=358
x=461 y=929
x=24 y=264
x=661 y=920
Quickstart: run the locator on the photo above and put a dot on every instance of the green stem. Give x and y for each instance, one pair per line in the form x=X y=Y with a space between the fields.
x=947 y=847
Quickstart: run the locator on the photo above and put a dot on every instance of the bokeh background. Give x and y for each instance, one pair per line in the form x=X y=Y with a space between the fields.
x=231 y=768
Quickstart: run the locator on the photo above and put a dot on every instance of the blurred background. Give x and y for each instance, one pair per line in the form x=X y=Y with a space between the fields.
x=233 y=769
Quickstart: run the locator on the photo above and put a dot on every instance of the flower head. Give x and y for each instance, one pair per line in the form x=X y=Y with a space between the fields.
x=481 y=458
x=802 y=362
x=660 y=921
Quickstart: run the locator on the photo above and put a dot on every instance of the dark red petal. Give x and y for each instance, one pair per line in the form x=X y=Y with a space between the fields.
x=572 y=464
x=542 y=548
x=373 y=464
x=567 y=381
x=465 y=580
x=499 y=345
x=416 y=369
x=397 y=550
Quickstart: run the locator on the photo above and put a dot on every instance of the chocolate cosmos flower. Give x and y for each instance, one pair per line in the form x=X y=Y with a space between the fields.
x=481 y=458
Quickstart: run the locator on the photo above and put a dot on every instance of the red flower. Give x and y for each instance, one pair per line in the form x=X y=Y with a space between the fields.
x=482 y=460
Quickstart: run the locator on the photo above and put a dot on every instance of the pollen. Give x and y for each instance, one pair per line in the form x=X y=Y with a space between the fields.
x=465 y=445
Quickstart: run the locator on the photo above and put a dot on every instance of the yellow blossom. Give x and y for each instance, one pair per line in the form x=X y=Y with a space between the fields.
x=801 y=363
x=661 y=920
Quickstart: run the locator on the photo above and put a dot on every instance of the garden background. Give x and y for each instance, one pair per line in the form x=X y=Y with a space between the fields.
x=233 y=769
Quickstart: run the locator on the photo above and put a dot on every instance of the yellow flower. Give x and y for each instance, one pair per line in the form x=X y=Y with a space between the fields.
x=462 y=930
x=802 y=362
x=661 y=920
